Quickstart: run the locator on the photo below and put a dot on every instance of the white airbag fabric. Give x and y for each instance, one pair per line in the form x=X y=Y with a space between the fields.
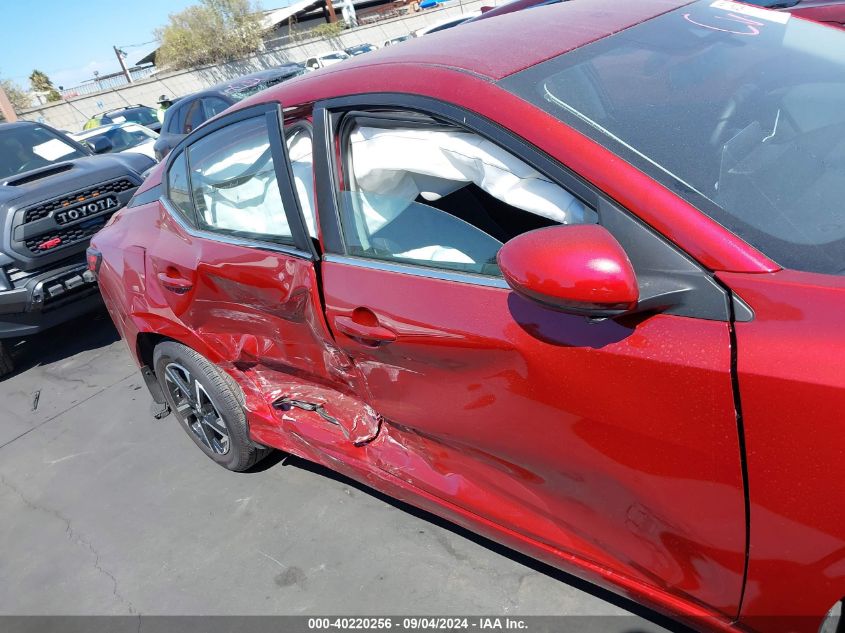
x=403 y=164
x=254 y=206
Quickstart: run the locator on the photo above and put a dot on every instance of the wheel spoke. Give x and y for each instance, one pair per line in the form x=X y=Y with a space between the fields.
x=212 y=420
x=199 y=429
x=172 y=374
x=196 y=410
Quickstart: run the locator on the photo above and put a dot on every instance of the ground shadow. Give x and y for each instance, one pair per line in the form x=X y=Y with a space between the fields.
x=91 y=331
x=533 y=564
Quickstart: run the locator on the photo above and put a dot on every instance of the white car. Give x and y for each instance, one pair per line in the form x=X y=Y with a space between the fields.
x=124 y=137
x=326 y=59
x=445 y=24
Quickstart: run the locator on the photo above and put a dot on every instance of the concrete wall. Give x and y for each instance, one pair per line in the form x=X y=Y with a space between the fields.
x=71 y=114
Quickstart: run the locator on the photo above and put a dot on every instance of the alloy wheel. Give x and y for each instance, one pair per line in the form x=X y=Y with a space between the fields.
x=195 y=409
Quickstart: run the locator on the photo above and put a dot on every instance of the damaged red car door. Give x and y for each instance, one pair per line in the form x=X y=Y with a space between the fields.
x=238 y=272
x=613 y=441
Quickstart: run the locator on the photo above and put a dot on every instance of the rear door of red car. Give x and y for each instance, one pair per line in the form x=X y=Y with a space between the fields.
x=611 y=440
x=233 y=261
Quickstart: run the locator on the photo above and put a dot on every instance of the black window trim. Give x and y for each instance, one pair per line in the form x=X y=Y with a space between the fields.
x=301 y=246
x=696 y=292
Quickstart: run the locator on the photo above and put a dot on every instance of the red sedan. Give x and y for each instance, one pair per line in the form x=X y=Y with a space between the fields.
x=571 y=278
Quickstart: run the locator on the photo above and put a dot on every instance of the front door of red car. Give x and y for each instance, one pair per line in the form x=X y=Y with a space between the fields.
x=614 y=441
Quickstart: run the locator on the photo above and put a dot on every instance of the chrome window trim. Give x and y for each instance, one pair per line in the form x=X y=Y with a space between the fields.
x=230 y=239
x=417 y=271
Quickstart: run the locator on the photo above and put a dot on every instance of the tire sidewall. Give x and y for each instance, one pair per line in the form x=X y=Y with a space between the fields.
x=221 y=396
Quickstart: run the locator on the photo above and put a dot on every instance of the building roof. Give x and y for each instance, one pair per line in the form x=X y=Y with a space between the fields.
x=274 y=17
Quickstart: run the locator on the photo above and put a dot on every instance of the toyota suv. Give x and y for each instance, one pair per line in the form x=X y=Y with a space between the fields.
x=54 y=195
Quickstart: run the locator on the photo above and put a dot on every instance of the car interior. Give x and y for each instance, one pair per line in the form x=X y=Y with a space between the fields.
x=436 y=195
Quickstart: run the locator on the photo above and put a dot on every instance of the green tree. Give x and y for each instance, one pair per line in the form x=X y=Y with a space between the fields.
x=211 y=32
x=17 y=95
x=41 y=83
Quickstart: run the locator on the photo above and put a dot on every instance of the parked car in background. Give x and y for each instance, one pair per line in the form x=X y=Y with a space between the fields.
x=584 y=295
x=490 y=11
x=361 y=49
x=191 y=111
x=448 y=23
x=123 y=137
x=397 y=40
x=54 y=195
x=326 y=59
x=143 y=115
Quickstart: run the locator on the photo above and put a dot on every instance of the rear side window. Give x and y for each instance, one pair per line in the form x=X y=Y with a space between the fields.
x=176 y=118
x=178 y=190
x=234 y=184
x=214 y=106
x=442 y=197
x=194 y=117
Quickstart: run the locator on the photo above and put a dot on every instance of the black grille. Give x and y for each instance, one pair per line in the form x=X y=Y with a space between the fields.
x=44 y=209
x=70 y=235
x=18 y=277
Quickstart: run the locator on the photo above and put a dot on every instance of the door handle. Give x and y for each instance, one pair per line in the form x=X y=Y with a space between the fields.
x=374 y=333
x=175 y=283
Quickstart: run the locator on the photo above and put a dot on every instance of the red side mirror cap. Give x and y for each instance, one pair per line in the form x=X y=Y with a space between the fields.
x=580 y=269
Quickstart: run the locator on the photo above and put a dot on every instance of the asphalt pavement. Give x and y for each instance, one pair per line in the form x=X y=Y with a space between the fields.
x=106 y=511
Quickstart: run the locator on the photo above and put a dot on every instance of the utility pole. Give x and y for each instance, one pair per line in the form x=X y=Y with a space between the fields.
x=330 y=7
x=119 y=54
x=6 y=107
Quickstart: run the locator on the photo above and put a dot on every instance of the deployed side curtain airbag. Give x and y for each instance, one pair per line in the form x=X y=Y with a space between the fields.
x=239 y=193
x=404 y=164
x=300 y=152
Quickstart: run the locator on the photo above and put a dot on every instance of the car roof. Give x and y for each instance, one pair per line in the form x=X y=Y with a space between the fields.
x=491 y=49
x=9 y=125
x=128 y=108
x=261 y=75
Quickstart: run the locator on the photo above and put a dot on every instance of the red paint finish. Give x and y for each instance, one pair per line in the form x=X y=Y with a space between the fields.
x=830 y=12
x=610 y=449
x=578 y=268
x=471 y=48
x=614 y=442
x=792 y=382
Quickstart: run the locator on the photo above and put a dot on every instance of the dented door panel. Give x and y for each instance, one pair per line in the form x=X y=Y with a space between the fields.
x=259 y=310
x=614 y=441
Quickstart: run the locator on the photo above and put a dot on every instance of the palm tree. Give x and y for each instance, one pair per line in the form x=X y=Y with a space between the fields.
x=41 y=83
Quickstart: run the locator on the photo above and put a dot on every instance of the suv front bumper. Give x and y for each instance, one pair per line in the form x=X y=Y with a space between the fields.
x=47 y=300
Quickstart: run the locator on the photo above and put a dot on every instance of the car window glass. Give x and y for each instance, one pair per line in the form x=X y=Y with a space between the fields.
x=300 y=153
x=443 y=197
x=178 y=191
x=234 y=183
x=176 y=119
x=194 y=117
x=214 y=106
x=745 y=120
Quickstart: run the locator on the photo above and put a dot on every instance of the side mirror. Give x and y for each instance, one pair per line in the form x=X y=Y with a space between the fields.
x=101 y=145
x=580 y=269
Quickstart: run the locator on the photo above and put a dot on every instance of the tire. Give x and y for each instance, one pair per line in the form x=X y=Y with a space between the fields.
x=7 y=365
x=207 y=405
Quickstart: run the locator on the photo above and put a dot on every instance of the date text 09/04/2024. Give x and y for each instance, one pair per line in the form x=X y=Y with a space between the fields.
x=416 y=623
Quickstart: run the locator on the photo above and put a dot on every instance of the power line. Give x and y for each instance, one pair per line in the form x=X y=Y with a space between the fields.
x=137 y=45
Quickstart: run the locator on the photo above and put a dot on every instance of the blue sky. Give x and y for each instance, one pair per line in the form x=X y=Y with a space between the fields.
x=70 y=39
